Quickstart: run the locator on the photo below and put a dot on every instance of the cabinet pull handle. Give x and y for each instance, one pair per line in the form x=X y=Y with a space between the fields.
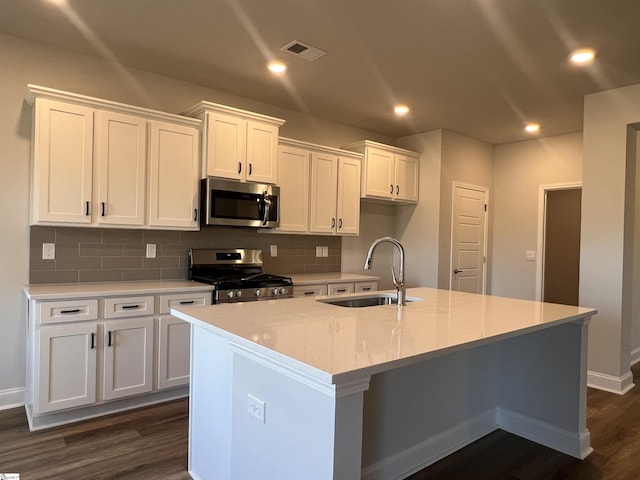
x=128 y=307
x=397 y=189
x=86 y=208
x=239 y=167
x=109 y=339
x=195 y=214
x=391 y=190
x=187 y=302
x=103 y=206
x=333 y=223
x=309 y=292
x=93 y=341
x=250 y=168
x=67 y=312
x=366 y=289
x=341 y=290
x=339 y=224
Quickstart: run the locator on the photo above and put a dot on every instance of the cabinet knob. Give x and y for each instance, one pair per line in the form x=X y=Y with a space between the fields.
x=339 y=223
x=333 y=223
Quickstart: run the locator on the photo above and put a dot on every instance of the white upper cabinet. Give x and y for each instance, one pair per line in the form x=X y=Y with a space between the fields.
x=388 y=173
x=105 y=164
x=237 y=144
x=319 y=189
x=120 y=159
x=174 y=171
x=62 y=149
x=295 y=164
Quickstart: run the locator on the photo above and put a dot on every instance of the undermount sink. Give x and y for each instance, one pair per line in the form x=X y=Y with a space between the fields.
x=359 y=302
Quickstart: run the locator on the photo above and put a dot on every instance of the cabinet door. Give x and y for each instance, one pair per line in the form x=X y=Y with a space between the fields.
x=62 y=163
x=66 y=366
x=348 y=197
x=379 y=175
x=226 y=146
x=294 y=189
x=128 y=357
x=262 y=152
x=324 y=184
x=173 y=176
x=120 y=163
x=174 y=341
x=406 y=175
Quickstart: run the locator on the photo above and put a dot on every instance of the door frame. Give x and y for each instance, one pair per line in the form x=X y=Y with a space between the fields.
x=542 y=217
x=485 y=240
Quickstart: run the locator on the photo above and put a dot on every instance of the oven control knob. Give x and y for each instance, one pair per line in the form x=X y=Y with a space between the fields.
x=275 y=291
x=230 y=294
x=239 y=293
x=258 y=292
x=283 y=291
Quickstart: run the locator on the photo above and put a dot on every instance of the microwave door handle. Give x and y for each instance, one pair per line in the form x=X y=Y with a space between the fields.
x=266 y=201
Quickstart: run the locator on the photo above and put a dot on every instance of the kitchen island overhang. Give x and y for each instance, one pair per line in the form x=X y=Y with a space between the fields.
x=379 y=392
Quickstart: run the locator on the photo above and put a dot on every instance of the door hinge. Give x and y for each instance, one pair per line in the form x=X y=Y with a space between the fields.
x=485 y=207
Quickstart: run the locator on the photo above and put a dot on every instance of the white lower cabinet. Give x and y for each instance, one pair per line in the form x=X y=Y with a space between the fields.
x=66 y=366
x=174 y=340
x=93 y=356
x=128 y=357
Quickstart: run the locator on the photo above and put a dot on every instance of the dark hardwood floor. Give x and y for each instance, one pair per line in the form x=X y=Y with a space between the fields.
x=151 y=444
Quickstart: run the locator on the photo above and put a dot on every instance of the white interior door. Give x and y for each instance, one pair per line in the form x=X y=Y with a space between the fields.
x=468 y=238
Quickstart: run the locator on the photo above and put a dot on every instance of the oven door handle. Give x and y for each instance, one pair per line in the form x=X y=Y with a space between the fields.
x=266 y=204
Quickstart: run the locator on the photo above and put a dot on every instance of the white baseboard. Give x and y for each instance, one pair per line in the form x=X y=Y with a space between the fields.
x=425 y=453
x=575 y=444
x=609 y=383
x=11 y=398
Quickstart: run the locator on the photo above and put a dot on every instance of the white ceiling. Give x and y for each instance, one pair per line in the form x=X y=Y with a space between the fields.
x=478 y=67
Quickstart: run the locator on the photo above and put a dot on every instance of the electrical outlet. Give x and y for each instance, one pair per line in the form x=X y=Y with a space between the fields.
x=256 y=408
x=325 y=251
x=48 y=251
x=318 y=251
x=274 y=250
x=151 y=250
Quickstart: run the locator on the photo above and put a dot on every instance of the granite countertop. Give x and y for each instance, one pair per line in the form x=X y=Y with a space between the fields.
x=333 y=343
x=335 y=277
x=81 y=290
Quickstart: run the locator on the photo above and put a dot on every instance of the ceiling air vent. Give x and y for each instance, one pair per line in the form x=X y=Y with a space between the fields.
x=303 y=50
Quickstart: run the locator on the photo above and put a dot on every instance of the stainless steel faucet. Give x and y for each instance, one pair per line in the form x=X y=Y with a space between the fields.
x=398 y=281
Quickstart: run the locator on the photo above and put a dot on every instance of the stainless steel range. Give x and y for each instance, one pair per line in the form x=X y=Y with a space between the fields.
x=237 y=275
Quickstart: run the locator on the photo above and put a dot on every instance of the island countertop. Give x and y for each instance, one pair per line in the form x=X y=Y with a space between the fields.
x=333 y=343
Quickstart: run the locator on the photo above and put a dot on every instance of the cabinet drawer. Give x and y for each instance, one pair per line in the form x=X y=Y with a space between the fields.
x=366 y=287
x=337 y=288
x=175 y=300
x=309 y=290
x=67 y=311
x=120 y=307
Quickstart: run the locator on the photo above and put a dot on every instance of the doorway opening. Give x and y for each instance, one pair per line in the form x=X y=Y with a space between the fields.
x=558 y=267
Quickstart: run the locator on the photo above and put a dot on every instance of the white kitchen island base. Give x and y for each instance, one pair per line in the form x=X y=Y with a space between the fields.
x=378 y=397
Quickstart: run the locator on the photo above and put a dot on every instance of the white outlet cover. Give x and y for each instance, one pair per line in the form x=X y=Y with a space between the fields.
x=325 y=251
x=274 y=250
x=318 y=251
x=151 y=250
x=48 y=251
x=256 y=408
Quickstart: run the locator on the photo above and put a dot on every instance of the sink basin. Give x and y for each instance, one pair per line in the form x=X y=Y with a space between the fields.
x=359 y=302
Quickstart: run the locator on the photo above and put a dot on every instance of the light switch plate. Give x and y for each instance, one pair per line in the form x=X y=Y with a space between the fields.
x=274 y=250
x=318 y=251
x=530 y=255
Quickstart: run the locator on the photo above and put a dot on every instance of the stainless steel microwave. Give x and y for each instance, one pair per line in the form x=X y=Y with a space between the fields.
x=235 y=204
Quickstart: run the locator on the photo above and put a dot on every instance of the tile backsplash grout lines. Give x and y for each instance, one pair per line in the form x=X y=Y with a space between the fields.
x=114 y=255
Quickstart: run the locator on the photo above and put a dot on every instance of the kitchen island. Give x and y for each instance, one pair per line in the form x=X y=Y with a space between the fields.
x=298 y=388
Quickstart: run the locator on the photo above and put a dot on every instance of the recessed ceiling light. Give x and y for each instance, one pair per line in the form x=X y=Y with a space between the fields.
x=582 y=56
x=401 y=110
x=277 y=67
x=532 y=127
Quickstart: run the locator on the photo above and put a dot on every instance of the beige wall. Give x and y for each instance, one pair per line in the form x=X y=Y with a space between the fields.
x=606 y=261
x=26 y=62
x=519 y=170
